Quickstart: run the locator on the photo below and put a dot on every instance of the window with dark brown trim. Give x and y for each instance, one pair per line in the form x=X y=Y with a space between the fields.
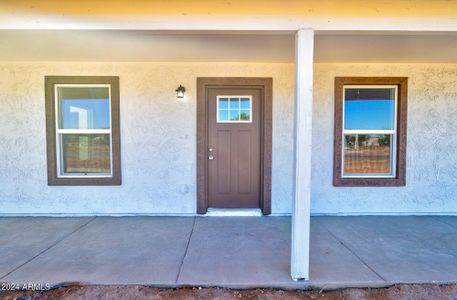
x=370 y=131
x=82 y=130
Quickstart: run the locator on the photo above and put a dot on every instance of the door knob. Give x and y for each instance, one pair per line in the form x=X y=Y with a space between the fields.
x=210 y=157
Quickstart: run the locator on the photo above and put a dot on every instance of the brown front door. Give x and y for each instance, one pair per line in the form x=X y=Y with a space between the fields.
x=234 y=147
x=234 y=123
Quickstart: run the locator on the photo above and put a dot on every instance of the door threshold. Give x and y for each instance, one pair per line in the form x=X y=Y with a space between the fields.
x=233 y=212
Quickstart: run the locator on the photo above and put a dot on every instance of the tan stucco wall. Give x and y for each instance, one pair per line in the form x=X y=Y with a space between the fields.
x=431 y=172
x=158 y=139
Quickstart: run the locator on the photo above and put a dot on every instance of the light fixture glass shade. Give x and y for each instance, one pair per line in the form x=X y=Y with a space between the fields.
x=180 y=92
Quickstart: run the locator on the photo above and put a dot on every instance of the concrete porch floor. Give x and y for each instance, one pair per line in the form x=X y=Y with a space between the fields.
x=242 y=252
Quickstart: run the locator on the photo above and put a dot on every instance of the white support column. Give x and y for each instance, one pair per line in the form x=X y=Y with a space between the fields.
x=304 y=46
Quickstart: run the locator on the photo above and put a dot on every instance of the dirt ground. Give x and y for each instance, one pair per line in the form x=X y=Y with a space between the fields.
x=416 y=292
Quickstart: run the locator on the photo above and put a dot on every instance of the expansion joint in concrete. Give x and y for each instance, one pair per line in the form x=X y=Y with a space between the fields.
x=185 y=252
x=354 y=253
x=444 y=222
x=51 y=246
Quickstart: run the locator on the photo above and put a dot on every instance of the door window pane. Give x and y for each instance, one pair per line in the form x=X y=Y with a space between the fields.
x=223 y=115
x=234 y=115
x=86 y=153
x=234 y=103
x=245 y=115
x=233 y=109
x=369 y=109
x=223 y=103
x=367 y=154
x=245 y=103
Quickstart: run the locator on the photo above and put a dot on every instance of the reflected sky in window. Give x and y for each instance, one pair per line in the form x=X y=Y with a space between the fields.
x=369 y=114
x=84 y=107
x=369 y=108
x=85 y=114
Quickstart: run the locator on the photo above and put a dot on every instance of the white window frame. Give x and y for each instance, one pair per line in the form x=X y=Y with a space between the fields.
x=393 y=133
x=239 y=108
x=60 y=132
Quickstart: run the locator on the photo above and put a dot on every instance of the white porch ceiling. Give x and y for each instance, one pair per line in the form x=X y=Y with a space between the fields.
x=142 y=45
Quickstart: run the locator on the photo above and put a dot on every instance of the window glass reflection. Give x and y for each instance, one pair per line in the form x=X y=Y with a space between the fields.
x=245 y=115
x=234 y=115
x=86 y=153
x=232 y=109
x=223 y=115
x=245 y=103
x=223 y=103
x=367 y=154
x=369 y=109
x=83 y=107
x=234 y=103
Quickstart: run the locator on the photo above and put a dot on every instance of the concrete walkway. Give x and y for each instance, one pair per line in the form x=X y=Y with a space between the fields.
x=238 y=252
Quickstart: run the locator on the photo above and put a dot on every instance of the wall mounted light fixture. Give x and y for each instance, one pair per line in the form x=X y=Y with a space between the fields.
x=180 y=92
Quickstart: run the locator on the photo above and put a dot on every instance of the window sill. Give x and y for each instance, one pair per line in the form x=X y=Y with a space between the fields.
x=368 y=182
x=84 y=181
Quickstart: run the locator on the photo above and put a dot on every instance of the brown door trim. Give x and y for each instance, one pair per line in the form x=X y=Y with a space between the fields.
x=266 y=86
